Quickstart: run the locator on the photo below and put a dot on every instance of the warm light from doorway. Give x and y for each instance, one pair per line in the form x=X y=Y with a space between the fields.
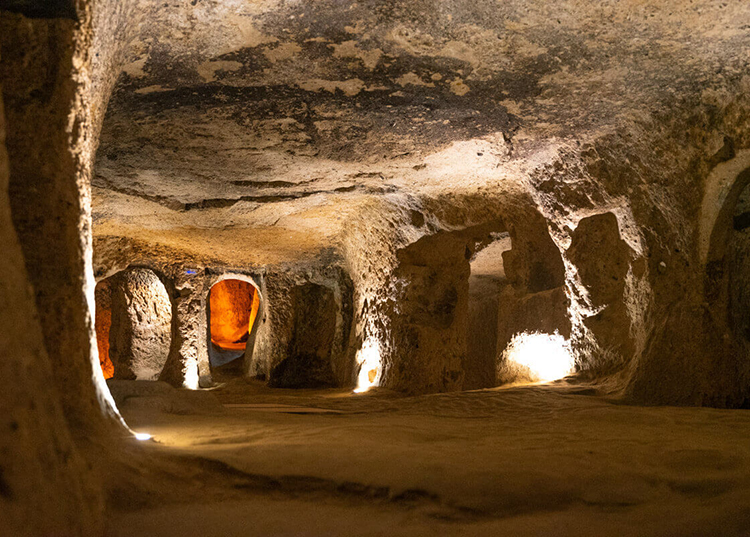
x=541 y=357
x=368 y=358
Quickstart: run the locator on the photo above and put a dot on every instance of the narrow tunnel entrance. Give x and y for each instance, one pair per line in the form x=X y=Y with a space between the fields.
x=312 y=331
x=232 y=310
x=133 y=325
x=738 y=257
x=727 y=284
x=485 y=284
x=103 y=323
x=726 y=247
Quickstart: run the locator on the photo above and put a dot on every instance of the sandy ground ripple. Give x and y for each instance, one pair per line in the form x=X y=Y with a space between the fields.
x=535 y=460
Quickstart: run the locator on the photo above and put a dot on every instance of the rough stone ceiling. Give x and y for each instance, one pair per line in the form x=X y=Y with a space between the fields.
x=255 y=132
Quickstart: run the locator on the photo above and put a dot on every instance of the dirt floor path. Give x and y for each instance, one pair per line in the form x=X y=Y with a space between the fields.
x=536 y=460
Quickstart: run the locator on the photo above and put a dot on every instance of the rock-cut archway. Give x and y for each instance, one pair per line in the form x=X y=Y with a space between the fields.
x=232 y=310
x=725 y=256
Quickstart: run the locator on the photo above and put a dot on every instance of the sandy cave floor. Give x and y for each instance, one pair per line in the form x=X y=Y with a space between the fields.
x=533 y=460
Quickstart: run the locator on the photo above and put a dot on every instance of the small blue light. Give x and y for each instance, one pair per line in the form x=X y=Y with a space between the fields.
x=191 y=271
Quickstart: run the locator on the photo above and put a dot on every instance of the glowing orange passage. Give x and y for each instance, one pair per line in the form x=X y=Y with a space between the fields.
x=102 y=323
x=234 y=306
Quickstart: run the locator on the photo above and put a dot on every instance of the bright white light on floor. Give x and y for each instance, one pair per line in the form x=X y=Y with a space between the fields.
x=142 y=436
x=543 y=357
x=192 y=375
x=368 y=358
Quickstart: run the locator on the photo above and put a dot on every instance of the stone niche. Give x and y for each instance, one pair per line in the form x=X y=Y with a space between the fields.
x=133 y=325
x=311 y=329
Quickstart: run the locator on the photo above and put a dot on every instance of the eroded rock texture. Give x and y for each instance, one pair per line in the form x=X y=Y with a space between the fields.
x=289 y=138
x=141 y=329
x=42 y=72
x=352 y=160
x=430 y=314
x=46 y=486
x=603 y=262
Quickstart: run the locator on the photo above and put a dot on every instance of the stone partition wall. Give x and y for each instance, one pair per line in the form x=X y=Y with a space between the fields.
x=430 y=315
x=603 y=261
x=47 y=486
x=50 y=196
x=187 y=364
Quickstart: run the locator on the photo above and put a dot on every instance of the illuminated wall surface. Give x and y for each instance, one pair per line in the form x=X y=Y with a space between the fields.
x=234 y=306
x=103 y=322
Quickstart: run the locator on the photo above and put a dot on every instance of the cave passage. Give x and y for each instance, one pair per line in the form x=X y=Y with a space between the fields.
x=102 y=324
x=486 y=282
x=738 y=272
x=233 y=307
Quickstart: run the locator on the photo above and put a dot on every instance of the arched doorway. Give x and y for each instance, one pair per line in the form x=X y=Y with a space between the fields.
x=103 y=324
x=233 y=306
x=738 y=272
x=725 y=252
x=133 y=325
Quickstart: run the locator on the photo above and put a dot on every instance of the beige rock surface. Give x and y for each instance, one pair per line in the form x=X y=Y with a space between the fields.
x=351 y=161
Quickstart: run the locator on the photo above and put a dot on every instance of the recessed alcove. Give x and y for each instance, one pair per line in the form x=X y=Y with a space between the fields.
x=727 y=273
x=133 y=325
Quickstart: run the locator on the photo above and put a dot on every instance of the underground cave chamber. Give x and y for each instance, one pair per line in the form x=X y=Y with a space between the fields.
x=396 y=267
